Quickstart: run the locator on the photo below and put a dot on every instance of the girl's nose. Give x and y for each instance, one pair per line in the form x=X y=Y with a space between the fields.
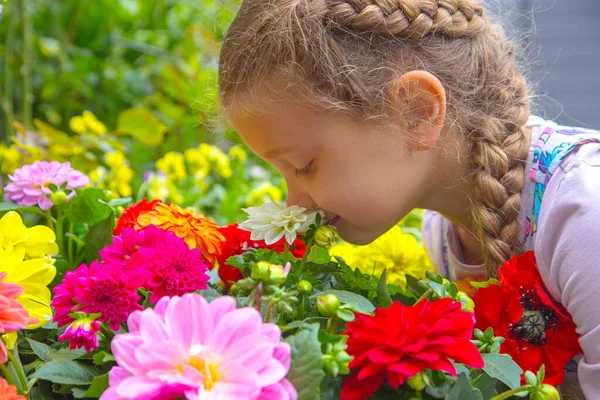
x=298 y=197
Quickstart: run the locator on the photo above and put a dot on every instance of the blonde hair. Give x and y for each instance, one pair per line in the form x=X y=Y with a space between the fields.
x=344 y=55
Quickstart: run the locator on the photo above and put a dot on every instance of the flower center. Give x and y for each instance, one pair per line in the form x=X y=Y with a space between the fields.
x=211 y=375
x=536 y=320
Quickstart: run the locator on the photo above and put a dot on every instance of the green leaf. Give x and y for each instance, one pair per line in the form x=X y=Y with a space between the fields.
x=98 y=386
x=143 y=125
x=210 y=294
x=103 y=358
x=40 y=349
x=503 y=368
x=319 y=255
x=383 y=293
x=462 y=390
x=89 y=206
x=438 y=289
x=360 y=303
x=487 y=385
x=120 y=202
x=6 y=206
x=488 y=283
x=345 y=315
x=306 y=373
x=99 y=236
x=65 y=372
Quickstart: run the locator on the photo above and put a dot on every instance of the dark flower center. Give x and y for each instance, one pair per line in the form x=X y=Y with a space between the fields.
x=537 y=319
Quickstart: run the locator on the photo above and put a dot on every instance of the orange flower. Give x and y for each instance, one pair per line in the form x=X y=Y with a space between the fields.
x=9 y=392
x=464 y=284
x=193 y=227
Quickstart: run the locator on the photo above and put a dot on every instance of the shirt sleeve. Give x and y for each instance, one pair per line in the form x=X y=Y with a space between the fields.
x=568 y=253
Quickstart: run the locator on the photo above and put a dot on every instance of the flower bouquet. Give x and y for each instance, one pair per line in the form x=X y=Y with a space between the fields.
x=156 y=301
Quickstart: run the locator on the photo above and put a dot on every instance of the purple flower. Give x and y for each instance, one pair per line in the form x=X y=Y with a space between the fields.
x=29 y=184
x=82 y=333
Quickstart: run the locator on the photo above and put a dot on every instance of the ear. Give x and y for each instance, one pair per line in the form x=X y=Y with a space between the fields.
x=423 y=99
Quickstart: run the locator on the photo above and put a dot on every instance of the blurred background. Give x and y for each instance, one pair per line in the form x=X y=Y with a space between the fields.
x=126 y=91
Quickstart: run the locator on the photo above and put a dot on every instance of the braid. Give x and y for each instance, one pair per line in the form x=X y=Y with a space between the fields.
x=409 y=18
x=499 y=162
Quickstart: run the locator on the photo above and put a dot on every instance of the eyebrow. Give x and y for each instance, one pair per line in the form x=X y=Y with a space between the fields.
x=277 y=152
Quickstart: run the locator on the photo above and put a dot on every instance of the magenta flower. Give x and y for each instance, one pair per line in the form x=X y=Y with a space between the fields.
x=170 y=267
x=64 y=295
x=129 y=242
x=105 y=289
x=186 y=347
x=82 y=333
x=29 y=184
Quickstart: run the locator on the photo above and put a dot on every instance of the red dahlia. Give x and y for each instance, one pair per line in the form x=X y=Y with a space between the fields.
x=537 y=329
x=400 y=341
x=129 y=217
x=237 y=241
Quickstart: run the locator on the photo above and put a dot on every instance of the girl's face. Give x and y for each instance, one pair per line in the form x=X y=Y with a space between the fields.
x=364 y=179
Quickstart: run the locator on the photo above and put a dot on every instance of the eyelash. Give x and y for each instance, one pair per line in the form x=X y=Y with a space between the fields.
x=306 y=170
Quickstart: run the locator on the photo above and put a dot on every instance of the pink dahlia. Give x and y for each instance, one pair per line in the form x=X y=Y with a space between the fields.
x=106 y=289
x=129 y=242
x=13 y=316
x=82 y=333
x=64 y=301
x=170 y=267
x=29 y=184
x=187 y=347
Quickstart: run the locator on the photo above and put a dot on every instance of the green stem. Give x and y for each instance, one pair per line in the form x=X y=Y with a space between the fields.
x=8 y=376
x=286 y=252
x=7 y=101
x=13 y=356
x=70 y=241
x=110 y=335
x=27 y=63
x=303 y=263
x=268 y=314
x=59 y=234
x=257 y=296
x=425 y=295
x=332 y=325
x=510 y=393
x=301 y=308
x=50 y=220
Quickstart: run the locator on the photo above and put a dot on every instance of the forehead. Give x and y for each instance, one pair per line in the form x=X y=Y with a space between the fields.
x=278 y=128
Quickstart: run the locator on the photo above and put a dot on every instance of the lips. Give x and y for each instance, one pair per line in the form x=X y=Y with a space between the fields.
x=334 y=220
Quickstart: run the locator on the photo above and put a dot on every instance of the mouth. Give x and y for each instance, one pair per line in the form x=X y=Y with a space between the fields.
x=334 y=220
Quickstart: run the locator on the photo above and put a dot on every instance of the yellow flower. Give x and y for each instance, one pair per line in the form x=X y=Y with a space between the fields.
x=192 y=226
x=115 y=159
x=10 y=159
x=198 y=163
x=87 y=123
x=37 y=241
x=172 y=164
x=93 y=124
x=264 y=193
x=157 y=187
x=218 y=160
x=238 y=153
x=396 y=252
x=24 y=254
x=77 y=124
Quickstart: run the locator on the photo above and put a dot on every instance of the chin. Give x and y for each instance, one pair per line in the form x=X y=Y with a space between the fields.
x=356 y=237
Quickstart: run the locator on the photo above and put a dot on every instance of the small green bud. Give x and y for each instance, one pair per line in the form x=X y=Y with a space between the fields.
x=417 y=382
x=325 y=236
x=468 y=304
x=328 y=304
x=277 y=274
x=234 y=289
x=58 y=198
x=119 y=210
x=261 y=271
x=546 y=392
x=530 y=378
x=304 y=287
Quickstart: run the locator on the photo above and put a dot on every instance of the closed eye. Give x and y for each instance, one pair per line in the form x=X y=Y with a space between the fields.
x=310 y=167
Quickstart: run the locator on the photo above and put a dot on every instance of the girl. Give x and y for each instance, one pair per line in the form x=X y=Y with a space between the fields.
x=370 y=108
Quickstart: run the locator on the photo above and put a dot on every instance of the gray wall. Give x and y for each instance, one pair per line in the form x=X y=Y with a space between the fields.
x=562 y=45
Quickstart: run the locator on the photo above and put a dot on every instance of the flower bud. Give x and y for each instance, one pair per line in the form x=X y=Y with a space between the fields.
x=546 y=392
x=328 y=304
x=304 y=287
x=416 y=382
x=325 y=236
x=58 y=198
x=261 y=271
x=278 y=273
x=467 y=303
x=234 y=289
